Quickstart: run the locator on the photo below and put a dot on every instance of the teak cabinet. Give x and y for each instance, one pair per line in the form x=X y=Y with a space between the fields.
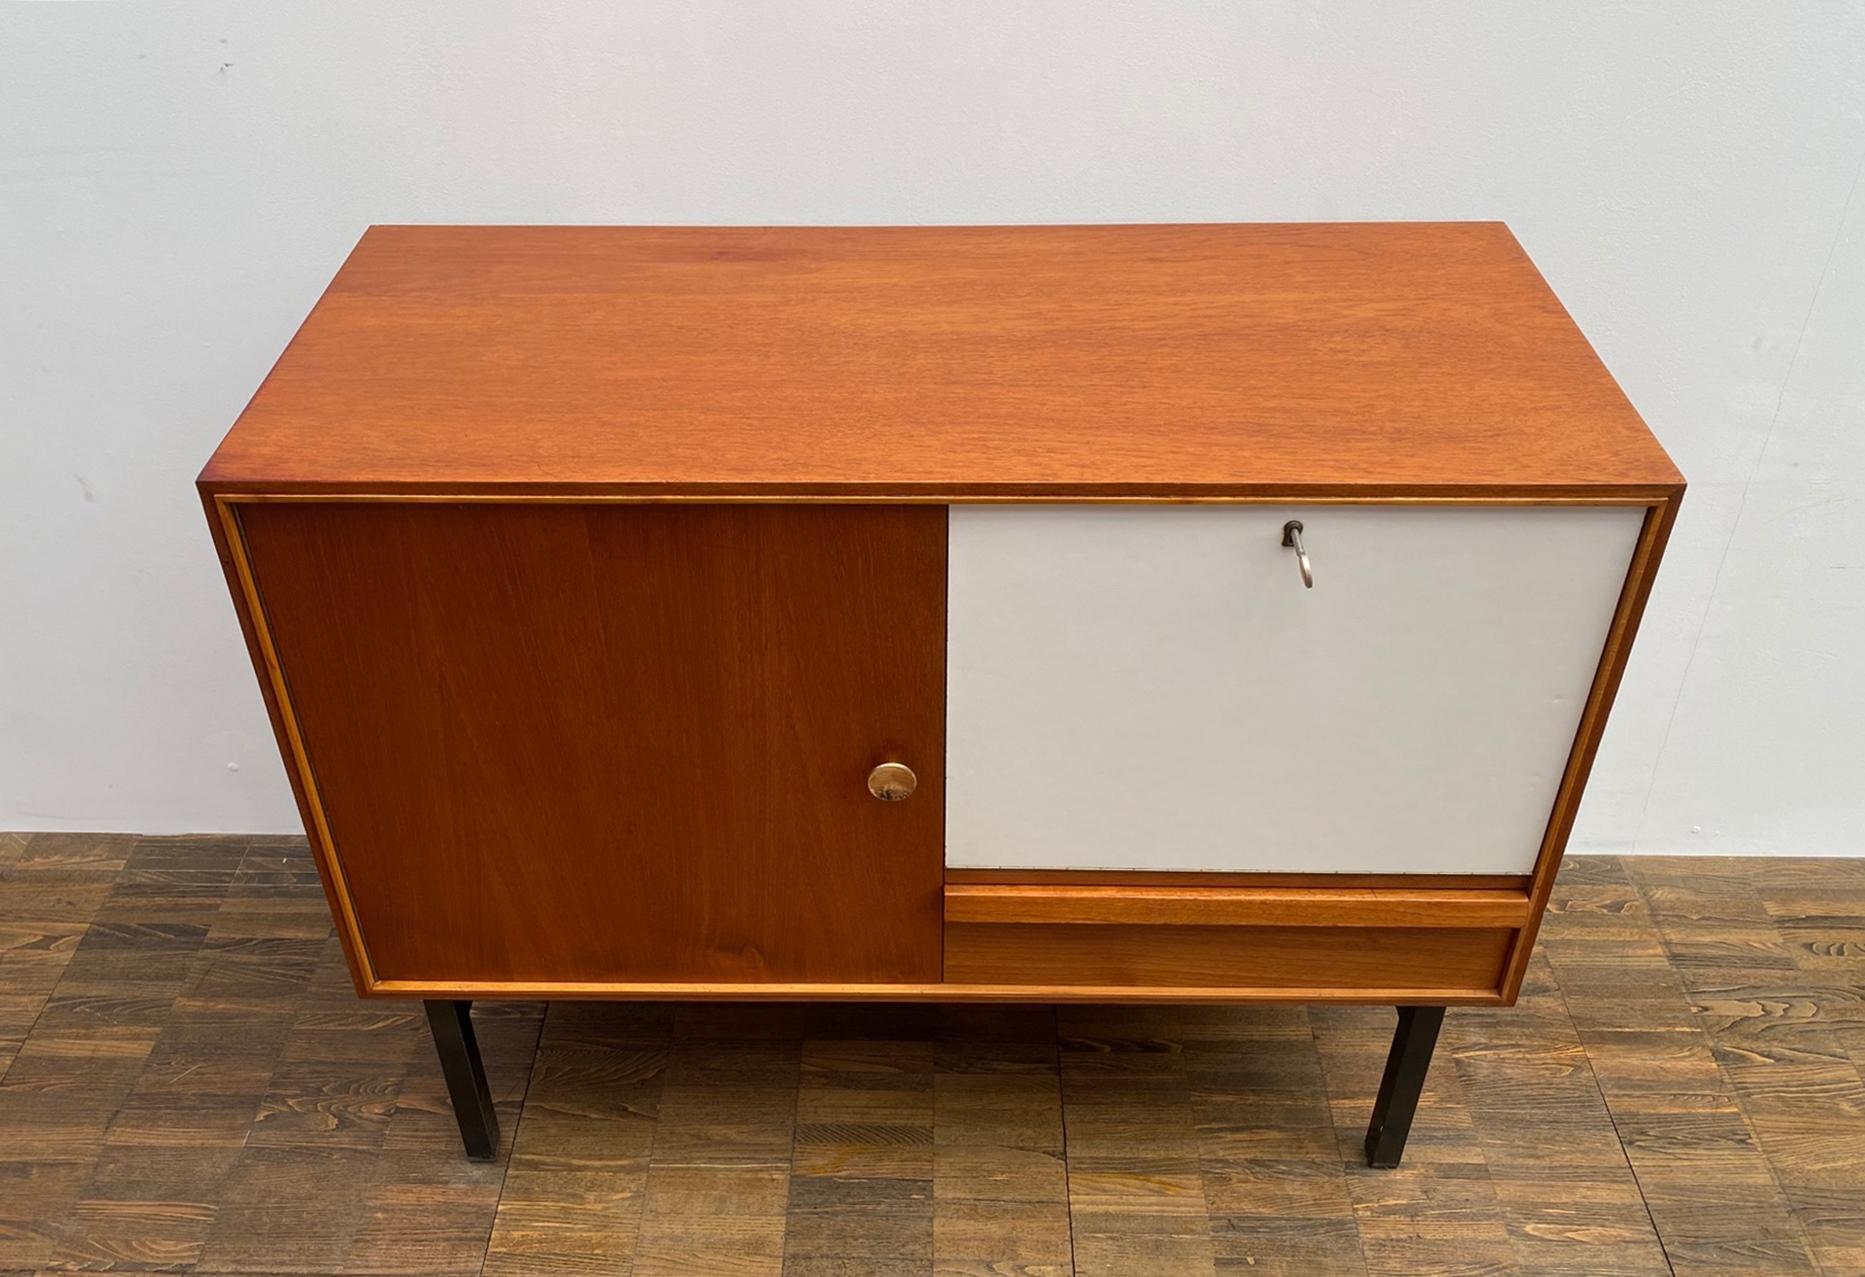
x=1129 y=612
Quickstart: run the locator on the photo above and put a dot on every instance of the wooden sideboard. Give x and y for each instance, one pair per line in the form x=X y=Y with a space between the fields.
x=1190 y=613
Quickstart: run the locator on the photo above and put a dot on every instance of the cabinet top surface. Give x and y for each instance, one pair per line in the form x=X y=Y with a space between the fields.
x=1346 y=359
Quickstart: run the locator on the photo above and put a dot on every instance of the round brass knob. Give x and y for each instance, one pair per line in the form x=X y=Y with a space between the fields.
x=892 y=782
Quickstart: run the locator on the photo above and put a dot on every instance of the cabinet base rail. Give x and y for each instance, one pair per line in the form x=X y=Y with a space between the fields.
x=1407 y=1062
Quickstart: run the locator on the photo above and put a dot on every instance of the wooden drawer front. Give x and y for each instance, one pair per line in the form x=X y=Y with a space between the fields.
x=1382 y=963
x=1399 y=943
x=613 y=743
x=1153 y=688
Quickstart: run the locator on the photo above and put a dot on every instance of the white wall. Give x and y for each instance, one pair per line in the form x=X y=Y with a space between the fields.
x=178 y=181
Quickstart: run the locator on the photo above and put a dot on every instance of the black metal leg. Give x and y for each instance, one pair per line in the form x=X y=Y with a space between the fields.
x=452 y=1026
x=1410 y=1057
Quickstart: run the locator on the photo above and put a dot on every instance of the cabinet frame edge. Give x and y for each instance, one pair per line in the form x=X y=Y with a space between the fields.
x=1640 y=574
x=1661 y=505
x=230 y=543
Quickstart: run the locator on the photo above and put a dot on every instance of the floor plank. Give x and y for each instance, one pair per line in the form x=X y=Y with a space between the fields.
x=189 y=1084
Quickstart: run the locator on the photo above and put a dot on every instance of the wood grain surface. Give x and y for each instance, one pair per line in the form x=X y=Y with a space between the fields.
x=1372 y=964
x=1307 y=359
x=620 y=743
x=188 y=1084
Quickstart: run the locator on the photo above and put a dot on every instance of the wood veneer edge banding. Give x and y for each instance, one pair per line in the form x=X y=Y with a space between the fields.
x=1640 y=575
x=945 y=718
x=297 y=759
x=1352 y=880
x=1048 y=495
x=1234 y=906
x=942 y=992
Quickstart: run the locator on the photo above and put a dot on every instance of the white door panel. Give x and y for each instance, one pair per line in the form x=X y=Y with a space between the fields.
x=1151 y=687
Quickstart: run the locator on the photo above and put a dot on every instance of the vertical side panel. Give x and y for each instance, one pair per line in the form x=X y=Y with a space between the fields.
x=230 y=547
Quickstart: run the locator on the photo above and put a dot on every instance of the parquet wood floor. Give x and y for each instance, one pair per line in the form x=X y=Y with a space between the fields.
x=187 y=1083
